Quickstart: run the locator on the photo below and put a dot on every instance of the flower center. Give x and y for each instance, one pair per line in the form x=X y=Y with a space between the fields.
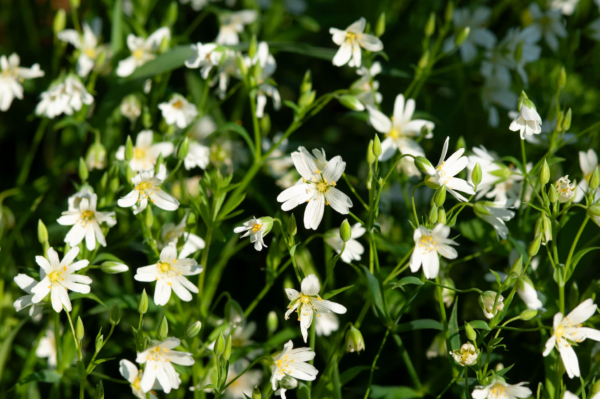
x=427 y=244
x=323 y=187
x=499 y=391
x=143 y=186
x=138 y=54
x=136 y=383
x=305 y=299
x=139 y=153
x=395 y=133
x=56 y=275
x=256 y=227
x=178 y=104
x=350 y=36
x=90 y=52
x=87 y=216
x=164 y=267
x=560 y=331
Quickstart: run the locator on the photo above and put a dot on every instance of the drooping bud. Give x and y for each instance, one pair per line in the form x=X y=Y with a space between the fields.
x=377 y=146
x=79 y=331
x=477 y=174
x=292 y=228
x=219 y=345
x=470 y=332
x=227 y=351
x=114 y=317
x=566 y=124
x=112 y=267
x=42 y=232
x=462 y=36
x=544 y=175
x=351 y=102
x=163 y=329
x=83 y=170
x=354 y=340
x=193 y=329
x=272 y=322
x=345 y=231
x=430 y=25
x=370 y=156
x=183 y=149
x=528 y=314
x=128 y=149
x=288 y=382
x=380 y=26
x=424 y=165
x=562 y=78
x=143 y=303
x=534 y=246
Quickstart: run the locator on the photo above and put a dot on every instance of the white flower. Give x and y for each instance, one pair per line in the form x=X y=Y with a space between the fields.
x=26 y=283
x=159 y=358
x=317 y=187
x=227 y=67
x=437 y=347
x=528 y=294
x=478 y=34
x=142 y=50
x=496 y=215
x=369 y=92
x=565 y=6
x=548 y=25
x=178 y=111
x=588 y=161
x=87 y=44
x=496 y=92
x=64 y=97
x=279 y=162
x=292 y=362
x=400 y=130
x=198 y=155
x=145 y=153
x=569 y=330
x=243 y=385
x=171 y=233
x=169 y=273
x=428 y=244
x=75 y=200
x=197 y=5
x=146 y=187
x=350 y=42
x=256 y=229
x=326 y=324
x=268 y=66
x=466 y=355
x=232 y=24
x=444 y=172
x=11 y=77
x=59 y=276
x=528 y=121
x=308 y=302
x=499 y=389
x=47 y=348
x=131 y=108
x=131 y=373
x=565 y=189
x=354 y=249
x=205 y=57
x=486 y=301
x=86 y=223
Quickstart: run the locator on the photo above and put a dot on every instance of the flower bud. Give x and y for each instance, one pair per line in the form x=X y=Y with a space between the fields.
x=83 y=170
x=242 y=66
x=292 y=228
x=128 y=149
x=595 y=388
x=517 y=266
x=544 y=175
x=433 y=214
x=60 y=21
x=234 y=314
x=471 y=334
x=42 y=232
x=430 y=25
x=143 y=302
x=99 y=391
x=79 y=331
x=253 y=47
x=370 y=156
x=345 y=231
x=114 y=317
x=265 y=124
x=272 y=322
x=99 y=341
x=552 y=194
x=449 y=12
x=380 y=26
x=594 y=210
x=112 y=267
x=462 y=36
x=424 y=60
x=256 y=393
x=354 y=340
x=534 y=246
x=441 y=216
x=219 y=345
x=149 y=217
x=594 y=179
x=562 y=78
x=193 y=329
x=566 y=123
x=423 y=165
x=351 y=102
x=306 y=85
x=528 y=314
x=96 y=156
x=227 y=351
x=477 y=174
x=440 y=196
x=163 y=329
x=183 y=149
x=486 y=301
x=288 y=382
x=376 y=146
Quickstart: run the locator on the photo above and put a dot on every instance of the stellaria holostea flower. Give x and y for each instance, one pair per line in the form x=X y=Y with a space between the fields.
x=350 y=41
x=428 y=244
x=147 y=187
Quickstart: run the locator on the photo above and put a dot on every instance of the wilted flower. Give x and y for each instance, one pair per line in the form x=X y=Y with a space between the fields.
x=178 y=111
x=232 y=24
x=87 y=44
x=565 y=189
x=499 y=389
x=256 y=229
x=146 y=187
x=486 y=301
x=145 y=153
x=159 y=358
x=428 y=244
x=350 y=42
x=466 y=355
x=11 y=77
x=131 y=373
x=142 y=50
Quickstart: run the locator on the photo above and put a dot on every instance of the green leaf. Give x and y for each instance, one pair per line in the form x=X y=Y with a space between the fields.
x=453 y=327
x=504 y=370
x=96 y=362
x=349 y=374
x=304 y=49
x=234 y=127
x=172 y=59
x=333 y=293
x=116 y=34
x=7 y=344
x=78 y=295
x=380 y=392
x=577 y=258
x=335 y=377
x=230 y=206
x=41 y=376
x=408 y=280
x=480 y=325
x=375 y=288
x=104 y=257
x=422 y=324
x=303 y=391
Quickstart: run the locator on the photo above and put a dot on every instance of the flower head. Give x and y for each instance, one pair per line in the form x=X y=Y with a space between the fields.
x=57 y=277
x=292 y=362
x=549 y=25
x=65 y=97
x=87 y=44
x=499 y=389
x=565 y=189
x=159 y=358
x=205 y=56
x=169 y=273
x=495 y=215
x=11 y=76
x=142 y=50
x=528 y=121
x=317 y=187
x=147 y=187
x=466 y=355
x=308 y=302
x=257 y=229
x=428 y=244
x=568 y=331
x=131 y=373
x=446 y=170
x=86 y=223
x=178 y=111
x=145 y=153
x=354 y=249
x=350 y=41
x=232 y=24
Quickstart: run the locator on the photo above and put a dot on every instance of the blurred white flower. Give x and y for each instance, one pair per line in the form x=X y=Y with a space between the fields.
x=142 y=50
x=549 y=25
x=131 y=108
x=232 y=24
x=131 y=373
x=316 y=187
x=567 y=7
x=11 y=77
x=353 y=250
x=466 y=355
x=527 y=293
x=159 y=358
x=496 y=215
x=292 y=362
x=27 y=283
x=496 y=92
x=171 y=232
x=145 y=153
x=169 y=273
x=75 y=200
x=428 y=244
x=326 y=324
x=478 y=34
x=308 y=302
x=528 y=121
x=243 y=385
x=446 y=170
x=64 y=97
x=197 y=5
x=47 y=348
x=146 y=187
x=487 y=300
x=256 y=229
x=278 y=162
x=369 y=91
x=568 y=331
x=565 y=189
x=87 y=44
x=57 y=277
x=178 y=111
x=86 y=223
x=350 y=41
x=499 y=389
x=264 y=88
x=588 y=161
x=206 y=57
x=198 y=155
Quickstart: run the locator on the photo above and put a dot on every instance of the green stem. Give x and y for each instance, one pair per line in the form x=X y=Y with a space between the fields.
x=413 y=202
x=257 y=135
x=354 y=192
x=203 y=262
x=387 y=332
x=37 y=138
x=398 y=269
x=408 y=362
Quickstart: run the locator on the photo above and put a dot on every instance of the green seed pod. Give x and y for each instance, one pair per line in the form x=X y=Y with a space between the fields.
x=528 y=314
x=256 y=393
x=380 y=26
x=433 y=214
x=143 y=303
x=462 y=36
x=566 y=124
x=42 y=232
x=79 y=331
x=440 y=196
x=193 y=329
x=227 y=351
x=272 y=322
x=477 y=174
x=83 y=170
x=544 y=174
x=562 y=78
x=163 y=329
x=430 y=25
x=594 y=179
x=351 y=102
x=370 y=156
x=183 y=149
x=114 y=317
x=377 y=146
x=288 y=382
x=219 y=345
x=345 y=231
x=128 y=149
x=292 y=228
x=471 y=334
x=534 y=246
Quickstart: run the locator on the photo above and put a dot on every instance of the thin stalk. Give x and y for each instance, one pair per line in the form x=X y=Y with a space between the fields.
x=354 y=192
x=387 y=332
x=203 y=262
x=398 y=269
x=408 y=362
x=257 y=135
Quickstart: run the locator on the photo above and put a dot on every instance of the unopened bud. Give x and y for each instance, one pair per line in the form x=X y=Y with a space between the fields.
x=306 y=83
x=380 y=26
x=562 y=78
x=292 y=228
x=345 y=231
x=440 y=196
x=566 y=124
x=424 y=60
x=272 y=322
x=42 y=232
x=534 y=246
x=517 y=266
x=354 y=340
x=441 y=216
x=377 y=146
x=351 y=102
x=149 y=217
x=544 y=175
x=430 y=25
x=129 y=173
x=60 y=21
x=424 y=165
x=433 y=214
x=83 y=170
x=594 y=179
x=477 y=174
x=528 y=314
x=99 y=341
x=256 y=393
x=114 y=317
x=79 y=331
x=193 y=329
x=183 y=149
x=227 y=351
x=370 y=156
x=112 y=267
x=449 y=12
x=143 y=302
x=552 y=194
x=253 y=47
x=219 y=345
x=594 y=210
x=471 y=334
x=128 y=149
x=462 y=36
x=96 y=156
x=288 y=382
x=163 y=329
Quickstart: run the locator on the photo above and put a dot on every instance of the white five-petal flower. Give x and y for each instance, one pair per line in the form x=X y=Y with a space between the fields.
x=308 y=302
x=145 y=153
x=549 y=25
x=317 y=187
x=131 y=373
x=159 y=358
x=86 y=223
x=11 y=76
x=142 y=50
x=446 y=170
x=527 y=122
x=256 y=229
x=146 y=187
x=292 y=362
x=178 y=111
x=350 y=41
x=478 y=34
x=499 y=389
x=428 y=244
x=232 y=24
x=87 y=44
x=569 y=330
x=57 y=277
